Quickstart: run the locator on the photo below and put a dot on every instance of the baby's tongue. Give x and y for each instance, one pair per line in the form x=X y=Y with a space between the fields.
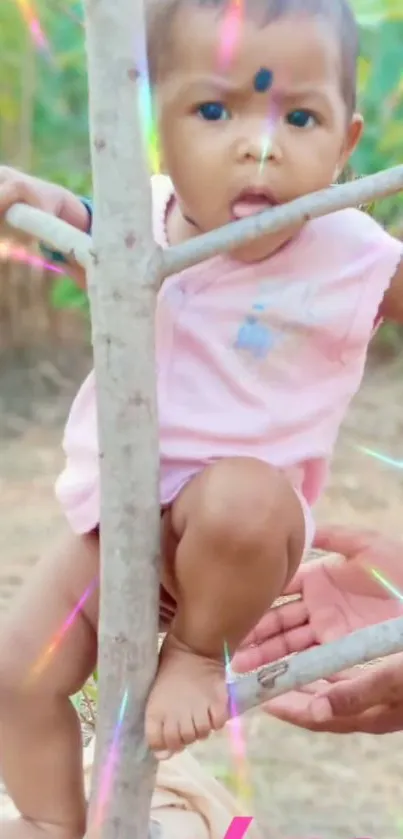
x=249 y=205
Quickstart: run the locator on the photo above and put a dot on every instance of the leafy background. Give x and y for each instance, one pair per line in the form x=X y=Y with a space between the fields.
x=43 y=101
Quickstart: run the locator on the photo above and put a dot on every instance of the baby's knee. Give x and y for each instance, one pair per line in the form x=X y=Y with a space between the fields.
x=241 y=506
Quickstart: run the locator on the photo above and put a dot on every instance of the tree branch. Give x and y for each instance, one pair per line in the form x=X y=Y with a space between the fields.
x=60 y=236
x=351 y=194
x=55 y=233
x=301 y=669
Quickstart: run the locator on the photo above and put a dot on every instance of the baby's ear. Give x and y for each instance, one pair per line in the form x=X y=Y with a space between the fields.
x=353 y=137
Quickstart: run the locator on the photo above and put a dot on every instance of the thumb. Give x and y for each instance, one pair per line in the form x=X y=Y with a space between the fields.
x=379 y=685
x=343 y=540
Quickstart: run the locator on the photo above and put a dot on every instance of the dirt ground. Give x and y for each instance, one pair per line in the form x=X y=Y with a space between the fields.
x=305 y=785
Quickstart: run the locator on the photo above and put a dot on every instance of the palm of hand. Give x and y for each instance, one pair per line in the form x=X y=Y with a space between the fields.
x=335 y=597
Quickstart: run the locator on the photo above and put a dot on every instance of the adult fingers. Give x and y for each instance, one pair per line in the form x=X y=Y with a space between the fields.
x=15 y=192
x=250 y=658
x=344 y=540
x=277 y=620
x=295 y=708
x=379 y=685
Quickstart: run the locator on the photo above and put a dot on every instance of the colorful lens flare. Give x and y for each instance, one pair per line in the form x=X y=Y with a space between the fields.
x=11 y=252
x=31 y=19
x=242 y=774
x=395 y=592
x=269 y=129
x=107 y=774
x=231 y=30
x=149 y=124
x=383 y=458
x=147 y=114
x=44 y=659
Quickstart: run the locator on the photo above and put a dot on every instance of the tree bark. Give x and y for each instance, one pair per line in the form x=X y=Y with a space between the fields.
x=127 y=269
x=352 y=194
x=123 y=281
x=359 y=647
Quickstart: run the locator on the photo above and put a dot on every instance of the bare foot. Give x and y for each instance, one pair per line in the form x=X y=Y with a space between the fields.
x=188 y=701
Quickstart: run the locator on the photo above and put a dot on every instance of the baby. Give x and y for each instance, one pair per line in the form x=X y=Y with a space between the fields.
x=259 y=353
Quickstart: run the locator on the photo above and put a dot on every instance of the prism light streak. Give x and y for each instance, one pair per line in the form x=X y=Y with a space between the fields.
x=231 y=30
x=237 y=738
x=30 y=17
x=273 y=117
x=383 y=458
x=390 y=587
x=45 y=658
x=9 y=251
x=147 y=113
x=108 y=771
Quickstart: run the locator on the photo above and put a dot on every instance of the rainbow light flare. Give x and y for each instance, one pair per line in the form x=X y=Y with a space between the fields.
x=273 y=117
x=237 y=738
x=149 y=125
x=383 y=458
x=31 y=19
x=231 y=30
x=17 y=253
x=147 y=113
x=390 y=587
x=107 y=773
x=45 y=658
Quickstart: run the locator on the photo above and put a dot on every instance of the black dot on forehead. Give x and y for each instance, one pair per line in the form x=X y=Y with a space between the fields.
x=263 y=80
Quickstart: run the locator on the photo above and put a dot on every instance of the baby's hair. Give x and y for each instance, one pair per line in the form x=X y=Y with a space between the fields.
x=337 y=13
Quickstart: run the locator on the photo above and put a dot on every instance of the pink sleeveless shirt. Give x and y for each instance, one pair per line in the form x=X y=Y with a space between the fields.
x=257 y=360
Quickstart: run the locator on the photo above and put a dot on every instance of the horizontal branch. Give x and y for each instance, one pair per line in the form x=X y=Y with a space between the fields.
x=54 y=232
x=301 y=669
x=71 y=242
x=351 y=194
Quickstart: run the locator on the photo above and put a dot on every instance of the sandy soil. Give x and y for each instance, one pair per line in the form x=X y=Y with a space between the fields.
x=305 y=785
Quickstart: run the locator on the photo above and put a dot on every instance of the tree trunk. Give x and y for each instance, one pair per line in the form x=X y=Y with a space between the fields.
x=123 y=280
x=126 y=271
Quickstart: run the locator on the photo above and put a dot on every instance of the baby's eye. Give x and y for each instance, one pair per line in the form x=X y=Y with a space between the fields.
x=302 y=119
x=213 y=111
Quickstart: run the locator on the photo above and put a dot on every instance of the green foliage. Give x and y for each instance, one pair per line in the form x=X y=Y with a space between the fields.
x=43 y=101
x=65 y=294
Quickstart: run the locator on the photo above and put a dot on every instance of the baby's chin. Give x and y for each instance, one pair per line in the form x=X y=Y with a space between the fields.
x=263 y=248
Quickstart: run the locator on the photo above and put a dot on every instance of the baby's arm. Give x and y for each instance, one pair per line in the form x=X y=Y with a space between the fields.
x=43 y=661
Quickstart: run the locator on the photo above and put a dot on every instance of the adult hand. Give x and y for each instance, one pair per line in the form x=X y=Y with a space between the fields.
x=367 y=700
x=16 y=187
x=334 y=596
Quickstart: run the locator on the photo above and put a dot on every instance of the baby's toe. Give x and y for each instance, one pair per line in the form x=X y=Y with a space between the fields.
x=154 y=731
x=187 y=728
x=218 y=708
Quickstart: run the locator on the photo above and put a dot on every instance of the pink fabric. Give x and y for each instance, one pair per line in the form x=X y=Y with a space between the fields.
x=256 y=360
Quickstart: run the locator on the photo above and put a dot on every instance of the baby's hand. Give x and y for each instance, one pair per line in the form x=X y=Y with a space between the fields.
x=15 y=187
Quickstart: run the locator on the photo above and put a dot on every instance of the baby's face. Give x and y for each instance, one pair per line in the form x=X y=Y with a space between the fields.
x=231 y=150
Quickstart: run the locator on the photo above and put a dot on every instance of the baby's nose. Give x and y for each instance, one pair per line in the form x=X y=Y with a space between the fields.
x=258 y=143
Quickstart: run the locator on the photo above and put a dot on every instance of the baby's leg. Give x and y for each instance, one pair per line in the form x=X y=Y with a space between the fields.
x=40 y=667
x=240 y=531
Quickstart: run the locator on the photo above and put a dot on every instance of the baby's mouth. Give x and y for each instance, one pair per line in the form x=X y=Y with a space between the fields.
x=251 y=202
